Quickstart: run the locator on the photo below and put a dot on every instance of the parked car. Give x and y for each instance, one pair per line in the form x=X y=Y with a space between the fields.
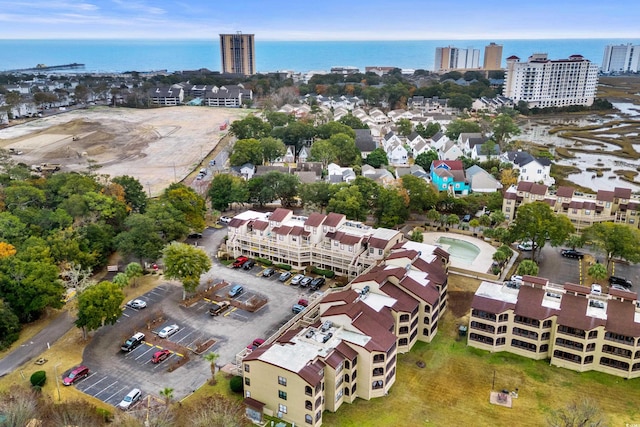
x=268 y=272
x=296 y=279
x=76 y=374
x=137 y=304
x=303 y=302
x=596 y=289
x=284 y=276
x=620 y=281
x=317 y=283
x=133 y=342
x=159 y=356
x=571 y=253
x=255 y=344
x=526 y=246
x=306 y=281
x=167 y=331
x=225 y=219
x=466 y=218
x=249 y=264
x=130 y=399
x=516 y=279
x=235 y=291
x=297 y=308
x=239 y=262
x=195 y=236
x=218 y=308
x=619 y=287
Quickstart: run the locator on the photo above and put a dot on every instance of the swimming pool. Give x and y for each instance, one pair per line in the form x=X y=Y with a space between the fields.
x=463 y=251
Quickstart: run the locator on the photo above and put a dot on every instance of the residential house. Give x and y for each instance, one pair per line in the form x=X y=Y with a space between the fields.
x=364 y=142
x=438 y=141
x=304 y=154
x=245 y=171
x=535 y=169
x=448 y=175
x=480 y=152
x=481 y=181
x=381 y=175
x=566 y=324
x=397 y=154
x=467 y=141
x=450 y=151
x=337 y=174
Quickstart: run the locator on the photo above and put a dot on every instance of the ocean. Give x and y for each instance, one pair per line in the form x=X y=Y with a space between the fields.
x=177 y=55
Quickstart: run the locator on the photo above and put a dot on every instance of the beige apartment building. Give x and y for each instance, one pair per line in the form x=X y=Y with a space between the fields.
x=345 y=347
x=238 y=53
x=325 y=241
x=492 y=57
x=583 y=210
x=569 y=325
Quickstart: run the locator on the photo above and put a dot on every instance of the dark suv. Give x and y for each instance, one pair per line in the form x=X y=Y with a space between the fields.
x=571 y=253
x=620 y=281
x=133 y=342
x=317 y=283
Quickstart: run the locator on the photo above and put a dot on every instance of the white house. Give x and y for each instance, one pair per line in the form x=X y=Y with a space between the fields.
x=481 y=181
x=397 y=154
x=450 y=151
x=532 y=169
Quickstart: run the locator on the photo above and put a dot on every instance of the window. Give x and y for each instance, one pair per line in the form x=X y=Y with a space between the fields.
x=282 y=408
x=404 y=318
x=308 y=404
x=403 y=330
x=308 y=419
x=247 y=381
x=282 y=381
x=377 y=384
x=246 y=367
x=308 y=390
x=282 y=394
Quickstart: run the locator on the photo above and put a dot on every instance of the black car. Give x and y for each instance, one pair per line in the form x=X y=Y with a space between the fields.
x=268 y=272
x=249 y=264
x=133 y=342
x=317 y=283
x=620 y=281
x=571 y=253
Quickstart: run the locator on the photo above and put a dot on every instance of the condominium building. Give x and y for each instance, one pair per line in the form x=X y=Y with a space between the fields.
x=568 y=324
x=452 y=58
x=237 y=53
x=583 y=210
x=623 y=58
x=492 y=57
x=345 y=347
x=325 y=241
x=541 y=82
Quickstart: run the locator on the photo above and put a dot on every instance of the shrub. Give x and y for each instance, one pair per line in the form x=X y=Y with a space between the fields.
x=236 y=384
x=326 y=273
x=264 y=261
x=286 y=267
x=38 y=378
x=105 y=414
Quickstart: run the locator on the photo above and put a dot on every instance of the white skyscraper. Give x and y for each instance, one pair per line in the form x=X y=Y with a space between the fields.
x=621 y=59
x=542 y=82
x=453 y=58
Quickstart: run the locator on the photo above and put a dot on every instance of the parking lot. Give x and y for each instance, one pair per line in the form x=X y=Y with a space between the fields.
x=113 y=373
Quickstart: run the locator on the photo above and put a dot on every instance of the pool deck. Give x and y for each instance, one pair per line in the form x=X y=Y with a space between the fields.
x=483 y=261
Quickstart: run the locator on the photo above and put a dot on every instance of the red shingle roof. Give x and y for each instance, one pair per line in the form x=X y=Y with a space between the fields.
x=280 y=214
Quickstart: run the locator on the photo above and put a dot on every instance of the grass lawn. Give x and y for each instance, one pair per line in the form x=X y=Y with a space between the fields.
x=454 y=387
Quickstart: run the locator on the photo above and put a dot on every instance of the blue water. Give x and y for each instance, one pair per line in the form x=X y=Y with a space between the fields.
x=460 y=249
x=176 y=55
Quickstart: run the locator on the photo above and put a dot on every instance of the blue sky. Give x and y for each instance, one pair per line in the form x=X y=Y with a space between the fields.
x=320 y=20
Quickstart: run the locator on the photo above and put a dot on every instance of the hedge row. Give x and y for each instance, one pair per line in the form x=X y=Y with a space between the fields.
x=264 y=261
x=326 y=273
x=284 y=266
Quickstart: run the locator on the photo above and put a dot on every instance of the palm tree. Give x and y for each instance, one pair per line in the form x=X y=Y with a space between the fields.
x=212 y=358
x=598 y=271
x=167 y=393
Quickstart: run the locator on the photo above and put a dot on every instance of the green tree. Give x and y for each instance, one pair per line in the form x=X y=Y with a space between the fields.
x=497 y=217
x=433 y=215
x=246 y=151
x=185 y=263
x=167 y=393
x=250 y=127
x=425 y=159
x=417 y=236
x=133 y=270
x=347 y=153
x=453 y=219
x=284 y=187
x=226 y=189
x=392 y=207
x=504 y=128
x=121 y=280
x=327 y=130
x=499 y=257
x=460 y=101
x=405 y=127
x=575 y=241
x=323 y=151
x=212 y=358
x=134 y=194
x=377 y=158
x=169 y=221
x=99 y=305
x=616 y=240
x=272 y=148
x=315 y=196
x=584 y=413
x=528 y=267
x=9 y=326
x=598 y=271
x=428 y=131
x=296 y=133
x=348 y=200
x=81 y=93
x=352 y=121
x=537 y=222
x=422 y=196
x=186 y=200
x=140 y=238
x=459 y=126
x=474 y=223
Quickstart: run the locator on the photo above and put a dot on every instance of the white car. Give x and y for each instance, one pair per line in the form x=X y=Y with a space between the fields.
x=526 y=246
x=130 y=399
x=137 y=304
x=225 y=219
x=167 y=331
x=297 y=279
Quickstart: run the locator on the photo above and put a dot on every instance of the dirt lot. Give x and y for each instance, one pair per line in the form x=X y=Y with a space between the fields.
x=157 y=146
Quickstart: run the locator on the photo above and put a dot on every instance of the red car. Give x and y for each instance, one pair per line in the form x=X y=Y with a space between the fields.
x=303 y=302
x=239 y=262
x=76 y=375
x=159 y=356
x=255 y=344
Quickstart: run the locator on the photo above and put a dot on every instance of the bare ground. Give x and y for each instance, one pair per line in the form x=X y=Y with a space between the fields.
x=157 y=146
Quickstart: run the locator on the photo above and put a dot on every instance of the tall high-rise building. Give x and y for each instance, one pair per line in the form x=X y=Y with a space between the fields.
x=453 y=58
x=542 y=82
x=493 y=57
x=621 y=59
x=237 y=52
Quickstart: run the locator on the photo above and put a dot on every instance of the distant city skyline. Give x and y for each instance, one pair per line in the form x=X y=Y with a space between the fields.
x=331 y=20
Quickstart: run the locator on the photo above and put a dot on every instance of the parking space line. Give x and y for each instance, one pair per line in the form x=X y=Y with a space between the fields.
x=186 y=336
x=145 y=352
x=119 y=391
x=105 y=389
x=230 y=311
x=96 y=383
